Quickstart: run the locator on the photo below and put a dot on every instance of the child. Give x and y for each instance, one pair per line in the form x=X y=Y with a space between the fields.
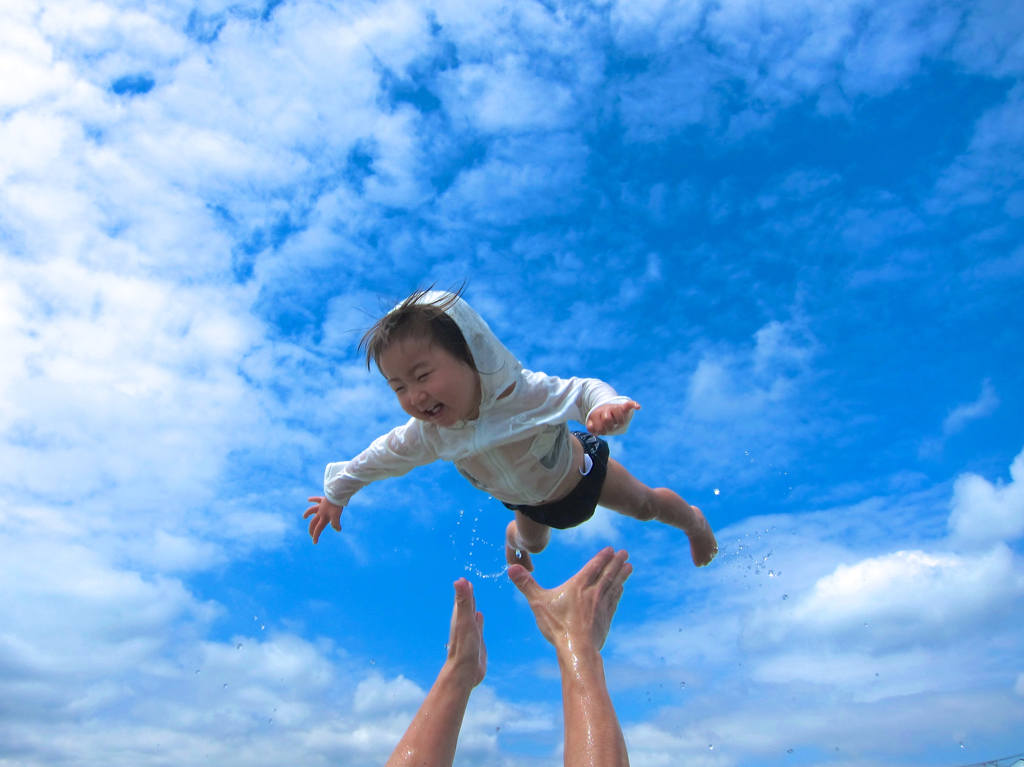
x=504 y=427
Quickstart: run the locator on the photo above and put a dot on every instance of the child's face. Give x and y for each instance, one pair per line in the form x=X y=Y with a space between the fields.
x=431 y=384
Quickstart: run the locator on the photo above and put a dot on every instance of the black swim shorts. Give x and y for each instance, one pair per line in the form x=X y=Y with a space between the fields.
x=578 y=506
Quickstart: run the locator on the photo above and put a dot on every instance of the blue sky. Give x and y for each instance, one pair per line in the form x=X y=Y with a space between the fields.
x=791 y=231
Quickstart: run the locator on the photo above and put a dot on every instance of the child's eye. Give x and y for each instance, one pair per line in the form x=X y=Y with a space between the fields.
x=423 y=377
x=398 y=389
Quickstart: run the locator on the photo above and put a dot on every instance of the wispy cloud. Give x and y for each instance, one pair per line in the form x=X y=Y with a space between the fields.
x=961 y=415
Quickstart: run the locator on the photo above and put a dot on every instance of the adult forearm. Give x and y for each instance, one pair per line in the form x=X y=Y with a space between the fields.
x=434 y=732
x=593 y=737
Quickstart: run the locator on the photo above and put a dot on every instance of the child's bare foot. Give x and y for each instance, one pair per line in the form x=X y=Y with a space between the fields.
x=674 y=511
x=515 y=554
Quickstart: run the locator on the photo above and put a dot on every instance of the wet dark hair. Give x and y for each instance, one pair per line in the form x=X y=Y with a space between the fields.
x=416 y=318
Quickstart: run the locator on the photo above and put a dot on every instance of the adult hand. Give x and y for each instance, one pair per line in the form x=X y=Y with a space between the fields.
x=323 y=512
x=606 y=419
x=433 y=733
x=581 y=609
x=467 y=653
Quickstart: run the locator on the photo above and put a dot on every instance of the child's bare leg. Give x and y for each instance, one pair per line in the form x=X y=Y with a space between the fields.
x=523 y=536
x=624 y=493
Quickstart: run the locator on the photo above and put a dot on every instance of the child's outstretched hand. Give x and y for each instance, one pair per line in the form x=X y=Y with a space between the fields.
x=607 y=418
x=324 y=513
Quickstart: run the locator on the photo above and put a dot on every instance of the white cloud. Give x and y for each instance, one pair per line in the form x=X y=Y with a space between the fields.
x=983 y=512
x=602 y=528
x=906 y=598
x=375 y=694
x=774 y=650
x=506 y=96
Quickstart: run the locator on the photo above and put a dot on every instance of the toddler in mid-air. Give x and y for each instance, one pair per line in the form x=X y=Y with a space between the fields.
x=503 y=427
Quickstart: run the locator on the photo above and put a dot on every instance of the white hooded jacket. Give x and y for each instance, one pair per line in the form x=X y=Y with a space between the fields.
x=517 y=449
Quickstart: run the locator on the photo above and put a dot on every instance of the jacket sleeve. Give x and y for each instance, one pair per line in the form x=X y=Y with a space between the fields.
x=392 y=455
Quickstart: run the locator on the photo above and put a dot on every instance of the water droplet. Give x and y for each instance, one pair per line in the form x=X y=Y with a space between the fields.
x=255 y=618
x=771 y=573
x=716 y=491
x=225 y=685
x=876 y=673
x=497 y=729
x=373 y=663
x=961 y=744
x=197 y=671
x=682 y=684
x=865 y=624
x=239 y=647
x=270 y=721
x=789 y=751
x=711 y=747
x=785 y=596
x=262 y=627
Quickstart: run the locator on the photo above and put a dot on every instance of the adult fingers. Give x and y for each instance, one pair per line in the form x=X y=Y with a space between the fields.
x=624 y=572
x=524 y=582
x=613 y=568
x=614 y=593
x=592 y=570
x=464 y=600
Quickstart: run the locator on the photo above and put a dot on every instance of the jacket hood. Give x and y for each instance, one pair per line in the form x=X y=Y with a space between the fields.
x=497 y=366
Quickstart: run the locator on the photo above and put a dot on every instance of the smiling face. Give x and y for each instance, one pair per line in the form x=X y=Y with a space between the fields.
x=431 y=384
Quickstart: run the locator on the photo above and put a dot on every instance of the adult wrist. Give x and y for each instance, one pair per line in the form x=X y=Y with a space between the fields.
x=578 y=655
x=458 y=675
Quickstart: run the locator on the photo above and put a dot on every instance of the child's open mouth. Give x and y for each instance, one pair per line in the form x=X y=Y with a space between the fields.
x=434 y=411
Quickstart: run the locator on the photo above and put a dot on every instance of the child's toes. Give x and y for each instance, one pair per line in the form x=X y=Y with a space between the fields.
x=703 y=548
x=518 y=557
